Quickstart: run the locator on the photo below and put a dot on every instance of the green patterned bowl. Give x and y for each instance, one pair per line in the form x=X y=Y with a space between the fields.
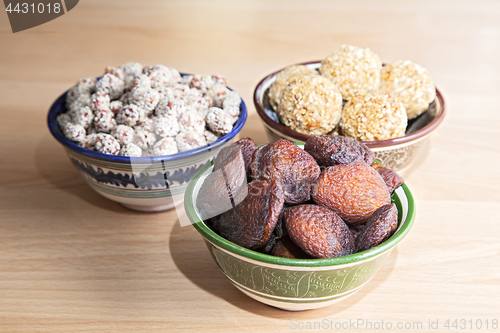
x=297 y=284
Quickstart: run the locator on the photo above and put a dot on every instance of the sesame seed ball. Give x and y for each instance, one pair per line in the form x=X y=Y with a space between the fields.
x=83 y=116
x=74 y=132
x=376 y=115
x=115 y=106
x=131 y=150
x=100 y=101
x=63 y=119
x=106 y=144
x=311 y=104
x=210 y=137
x=353 y=69
x=166 y=146
x=130 y=115
x=219 y=121
x=144 y=138
x=89 y=142
x=104 y=121
x=191 y=120
x=170 y=107
x=283 y=79
x=145 y=98
x=124 y=134
x=189 y=139
x=411 y=84
x=166 y=126
x=111 y=85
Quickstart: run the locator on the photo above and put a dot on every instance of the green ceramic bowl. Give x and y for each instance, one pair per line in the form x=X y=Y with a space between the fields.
x=296 y=284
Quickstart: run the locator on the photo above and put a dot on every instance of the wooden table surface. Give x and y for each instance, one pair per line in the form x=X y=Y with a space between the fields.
x=71 y=260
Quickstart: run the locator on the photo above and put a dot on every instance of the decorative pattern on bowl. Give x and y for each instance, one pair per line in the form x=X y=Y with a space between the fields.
x=398 y=154
x=297 y=284
x=140 y=183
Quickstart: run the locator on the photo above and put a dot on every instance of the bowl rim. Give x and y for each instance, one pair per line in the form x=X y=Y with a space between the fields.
x=259 y=90
x=217 y=240
x=58 y=107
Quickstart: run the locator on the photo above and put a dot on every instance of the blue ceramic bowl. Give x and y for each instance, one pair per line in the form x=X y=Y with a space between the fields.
x=140 y=183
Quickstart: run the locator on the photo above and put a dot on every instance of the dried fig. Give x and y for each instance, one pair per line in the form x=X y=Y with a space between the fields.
x=391 y=178
x=379 y=227
x=353 y=190
x=334 y=149
x=318 y=231
x=251 y=222
x=291 y=166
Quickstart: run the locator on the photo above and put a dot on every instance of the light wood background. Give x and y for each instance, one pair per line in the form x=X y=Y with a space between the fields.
x=71 y=260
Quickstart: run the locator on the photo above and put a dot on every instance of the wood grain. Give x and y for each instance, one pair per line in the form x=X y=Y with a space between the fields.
x=71 y=260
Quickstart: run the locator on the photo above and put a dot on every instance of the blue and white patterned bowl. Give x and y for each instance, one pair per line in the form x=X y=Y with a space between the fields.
x=140 y=183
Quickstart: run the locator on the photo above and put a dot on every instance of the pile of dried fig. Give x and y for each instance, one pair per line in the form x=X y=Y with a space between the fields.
x=327 y=200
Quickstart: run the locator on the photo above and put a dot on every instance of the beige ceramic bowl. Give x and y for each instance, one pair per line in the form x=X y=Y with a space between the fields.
x=398 y=154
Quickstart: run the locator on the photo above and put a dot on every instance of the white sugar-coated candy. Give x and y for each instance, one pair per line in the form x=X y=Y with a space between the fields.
x=145 y=98
x=166 y=146
x=232 y=98
x=106 y=144
x=144 y=138
x=111 y=85
x=99 y=101
x=190 y=139
x=170 y=107
x=89 y=142
x=219 y=121
x=166 y=126
x=63 y=119
x=233 y=112
x=74 y=132
x=130 y=115
x=104 y=121
x=124 y=134
x=210 y=137
x=131 y=150
x=115 y=106
x=191 y=120
x=83 y=116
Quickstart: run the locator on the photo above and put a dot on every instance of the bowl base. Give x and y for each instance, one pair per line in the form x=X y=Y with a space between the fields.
x=151 y=209
x=299 y=306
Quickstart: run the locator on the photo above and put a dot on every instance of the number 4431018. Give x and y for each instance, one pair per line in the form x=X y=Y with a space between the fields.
x=40 y=8
x=477 y=324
